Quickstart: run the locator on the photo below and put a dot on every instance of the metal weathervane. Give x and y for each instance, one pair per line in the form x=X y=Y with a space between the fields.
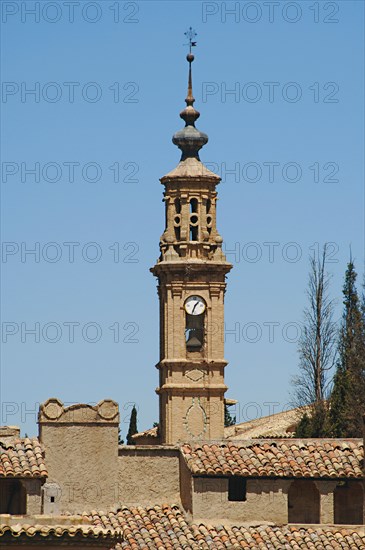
x=190 y=35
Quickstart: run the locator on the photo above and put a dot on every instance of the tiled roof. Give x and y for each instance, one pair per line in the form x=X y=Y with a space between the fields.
x=277 y=538
x=156 y=527
x=22 y=458
x=26 y=530
x=166 y=528
x=277 y=425
x=190 y=167
x=326 y=458
x=275 y=435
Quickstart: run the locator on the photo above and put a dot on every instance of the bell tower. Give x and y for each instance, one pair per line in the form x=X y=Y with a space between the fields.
x=191 y=272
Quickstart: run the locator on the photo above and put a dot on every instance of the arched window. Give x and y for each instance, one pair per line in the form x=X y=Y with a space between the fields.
x=348 y=500
x=195 y=307
x=177 y=219
x=177 y=233
x=303 y=502
x=194 y=220
x=209 y=217
x=194 y=230
x=193 y=206
x=13 y=497
x=177 y=206
x=194 y=332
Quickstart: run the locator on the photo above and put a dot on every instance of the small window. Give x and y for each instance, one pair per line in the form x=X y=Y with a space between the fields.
x=193 y=233
x=236 y=489
x=177 y=206
x=193 y=206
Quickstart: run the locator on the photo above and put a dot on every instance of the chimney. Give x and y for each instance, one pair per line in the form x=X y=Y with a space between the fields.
x=81 y=455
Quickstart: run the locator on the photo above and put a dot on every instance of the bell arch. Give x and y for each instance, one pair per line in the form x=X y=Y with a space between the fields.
x=303 y=502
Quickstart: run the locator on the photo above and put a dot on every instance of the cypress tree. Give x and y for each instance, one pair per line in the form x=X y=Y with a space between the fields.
x=314 y=423
x=348 y=394
x=228 y=419
x=304 y=428
x=339 y=403
x=132 y=426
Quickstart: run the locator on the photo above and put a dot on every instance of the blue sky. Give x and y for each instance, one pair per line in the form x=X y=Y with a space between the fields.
x=109 y=87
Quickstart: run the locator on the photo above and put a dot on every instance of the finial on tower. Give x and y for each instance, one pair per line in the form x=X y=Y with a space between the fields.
x=190 y=140
x=190 y=35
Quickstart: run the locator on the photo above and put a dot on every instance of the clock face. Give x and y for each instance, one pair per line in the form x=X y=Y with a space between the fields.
x=195 y=305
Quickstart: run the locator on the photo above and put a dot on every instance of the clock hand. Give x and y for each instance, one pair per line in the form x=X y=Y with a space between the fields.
x=194 y=307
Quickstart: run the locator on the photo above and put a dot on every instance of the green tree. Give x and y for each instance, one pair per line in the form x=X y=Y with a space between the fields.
x=339 y=402
x=315 y=422
x=363 y=301
x=347 y=402
x=132 y=426
x=304 y=427
x=228 y=419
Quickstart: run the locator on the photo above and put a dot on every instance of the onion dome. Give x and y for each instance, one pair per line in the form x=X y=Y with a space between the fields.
x=190 y=140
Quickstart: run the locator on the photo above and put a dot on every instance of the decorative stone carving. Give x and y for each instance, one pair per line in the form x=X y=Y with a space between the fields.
x=195 y=419
x=195 y=374
x=108 y=409
x=52 y=409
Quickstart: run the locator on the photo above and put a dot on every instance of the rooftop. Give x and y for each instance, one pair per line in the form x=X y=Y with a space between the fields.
x=278 y=425
x=318 y=458
x=46 y=528
x=166 y=527
x=22 y=458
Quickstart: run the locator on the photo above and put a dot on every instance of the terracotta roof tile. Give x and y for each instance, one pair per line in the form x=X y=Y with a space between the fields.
x=155 y=527
x=26 y=530
x=334 y=458
x=22 y=458
x=165 y=527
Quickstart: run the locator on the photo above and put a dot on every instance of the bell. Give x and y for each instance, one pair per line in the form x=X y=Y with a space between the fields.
x=193 y=344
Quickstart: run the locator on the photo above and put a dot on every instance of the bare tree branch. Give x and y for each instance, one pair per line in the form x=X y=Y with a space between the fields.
x=317 y=344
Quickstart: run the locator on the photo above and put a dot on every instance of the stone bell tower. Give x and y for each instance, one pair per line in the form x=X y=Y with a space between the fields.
x=191 y=274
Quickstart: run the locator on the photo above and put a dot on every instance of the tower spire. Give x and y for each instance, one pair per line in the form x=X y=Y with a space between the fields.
x=190 y=34
x=190 y=98
x=190 y=140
